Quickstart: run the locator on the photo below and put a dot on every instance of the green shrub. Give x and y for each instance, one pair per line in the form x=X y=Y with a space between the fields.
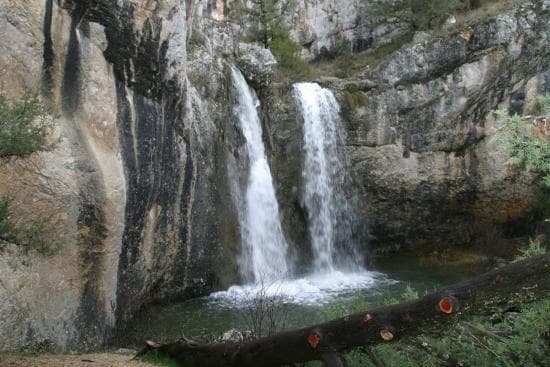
x=525 y=142
x=287 y=53
x=344 y=63
x=541 y=106
x=524 y=343
x=535 y=248
x=32 y=236
x=356 y=99
x=6 y=232
x=348 y=65
x=524 y=333
x=24 y=126
x=266 y=18
x=158 y=360
x=36 y=348
x=196 y=40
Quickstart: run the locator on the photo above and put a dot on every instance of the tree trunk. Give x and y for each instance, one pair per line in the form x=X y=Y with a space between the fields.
x=496 y=290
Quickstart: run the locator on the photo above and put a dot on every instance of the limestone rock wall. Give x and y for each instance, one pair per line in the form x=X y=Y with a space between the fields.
x=421 y=138
x=137 y=181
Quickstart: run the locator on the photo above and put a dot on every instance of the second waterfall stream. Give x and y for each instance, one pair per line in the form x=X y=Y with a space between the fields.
x=264 y=260
x=329 y=214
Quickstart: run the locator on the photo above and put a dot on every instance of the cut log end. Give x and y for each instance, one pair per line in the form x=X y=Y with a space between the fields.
x=386 y=334
x=448 y=305
x=313 y=339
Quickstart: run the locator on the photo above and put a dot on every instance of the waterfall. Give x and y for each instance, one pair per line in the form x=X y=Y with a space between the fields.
x=263 y=257
x=329 y=216
x=327 y=208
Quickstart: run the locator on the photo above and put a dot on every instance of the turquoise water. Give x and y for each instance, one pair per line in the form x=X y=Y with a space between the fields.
x=208 y=318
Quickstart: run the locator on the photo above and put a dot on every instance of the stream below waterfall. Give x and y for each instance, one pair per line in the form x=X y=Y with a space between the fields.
x=209 y=317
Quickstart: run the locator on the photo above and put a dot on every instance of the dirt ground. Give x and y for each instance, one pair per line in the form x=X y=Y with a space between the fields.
x=84 y=360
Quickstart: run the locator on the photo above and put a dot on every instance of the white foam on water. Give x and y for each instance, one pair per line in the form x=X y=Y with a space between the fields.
x=314 y=289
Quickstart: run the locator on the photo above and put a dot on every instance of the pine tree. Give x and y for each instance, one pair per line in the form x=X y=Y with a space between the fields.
x=267 y=19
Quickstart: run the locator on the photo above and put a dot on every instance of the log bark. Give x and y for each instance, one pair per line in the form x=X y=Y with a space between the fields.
x=497 y=290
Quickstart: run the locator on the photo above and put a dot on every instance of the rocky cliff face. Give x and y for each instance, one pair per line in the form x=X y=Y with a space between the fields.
x=138 y=179
x=421 y=136
x=140 y=183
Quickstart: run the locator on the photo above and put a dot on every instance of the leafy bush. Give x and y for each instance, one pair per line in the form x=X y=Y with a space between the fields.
x=34 y=235
x=347 y=64
x=5 y=225
x=355 y=99
x=45 y=346
x=535 y=248
x=344 y=62
x=527 y=143
x=196 y=40
x=541 y=106
x=287 y=53
x=267 y=19
x=24 y=126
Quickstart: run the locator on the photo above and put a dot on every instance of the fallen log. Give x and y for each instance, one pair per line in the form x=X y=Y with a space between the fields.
x=497 y=290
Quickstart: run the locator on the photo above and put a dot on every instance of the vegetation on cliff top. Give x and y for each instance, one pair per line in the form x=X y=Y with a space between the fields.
x=267 y=27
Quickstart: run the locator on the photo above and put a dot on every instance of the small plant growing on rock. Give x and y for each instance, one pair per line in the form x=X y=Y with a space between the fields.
x=31 y=236
x=287 y=54
x=535 y=248
x=24 y=126
x=267 y=19
x=527 y=140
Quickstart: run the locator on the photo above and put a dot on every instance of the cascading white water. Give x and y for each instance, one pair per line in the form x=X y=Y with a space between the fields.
x=264 y=252
x=263 y=259
x=327 y=208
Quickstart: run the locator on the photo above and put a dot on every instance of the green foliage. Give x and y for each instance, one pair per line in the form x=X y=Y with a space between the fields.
x=24 y=126
x=359 y=303
x=344 y=62
x=267 y=26
x=535 y=248
x=529 y=344
x=523 y=343
x=526 y=144
x=267 y=19
x=45 y=346
x=426 y=14
x=287 y=54
x=356 y=99
x=196 y=40
x=33 y=235
x=158 y=360
x=408 y=294
x=541 y=106
x=5 y=225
